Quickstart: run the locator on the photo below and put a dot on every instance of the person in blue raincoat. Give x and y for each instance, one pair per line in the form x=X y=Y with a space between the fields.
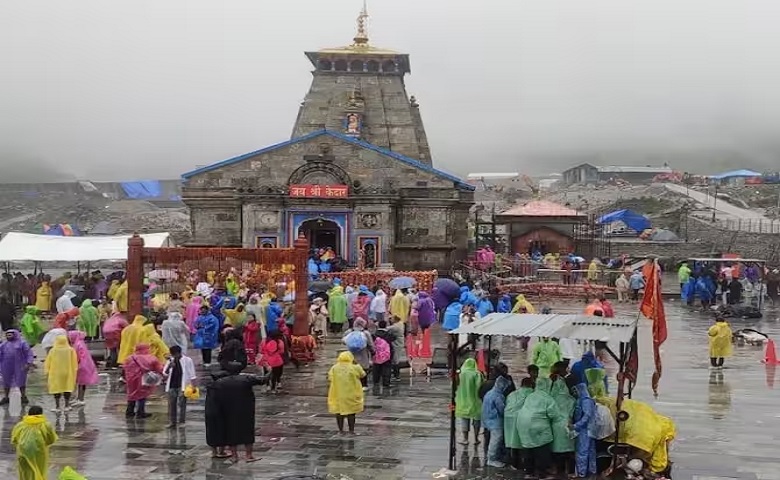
x=452 y=316
x=493 y=406
x=585 y=450
x=505 y=304
x=704 y=292
x=484 y=306
x=206 y=334
x=588 y=361
x=688 y=292
x=272 y=314
x=313 y=269
x=217 y=302
x=467 y=297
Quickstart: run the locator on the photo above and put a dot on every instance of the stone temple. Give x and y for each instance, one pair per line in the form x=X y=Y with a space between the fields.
x=357 y=174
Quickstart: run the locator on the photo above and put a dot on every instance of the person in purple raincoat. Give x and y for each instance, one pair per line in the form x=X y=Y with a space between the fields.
x=426 y=311
x=16 y=359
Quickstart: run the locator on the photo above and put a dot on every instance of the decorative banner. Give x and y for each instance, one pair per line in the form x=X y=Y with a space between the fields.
x=319 y=191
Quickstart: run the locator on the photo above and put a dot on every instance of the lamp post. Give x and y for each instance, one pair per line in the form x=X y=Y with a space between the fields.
x=714 y=202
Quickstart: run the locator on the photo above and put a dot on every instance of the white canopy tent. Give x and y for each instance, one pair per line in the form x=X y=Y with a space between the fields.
x=576 y=327
x=27 y=247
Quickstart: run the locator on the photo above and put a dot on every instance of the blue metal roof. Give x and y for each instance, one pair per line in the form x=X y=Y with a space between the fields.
x=346 y=138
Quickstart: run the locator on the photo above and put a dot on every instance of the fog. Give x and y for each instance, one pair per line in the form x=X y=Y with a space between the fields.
x=109 y=90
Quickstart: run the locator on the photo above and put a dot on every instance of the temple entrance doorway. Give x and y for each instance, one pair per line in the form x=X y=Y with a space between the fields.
x=322 y=233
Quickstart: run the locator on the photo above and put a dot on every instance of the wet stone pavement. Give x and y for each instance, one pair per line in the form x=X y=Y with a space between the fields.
x=728 y=424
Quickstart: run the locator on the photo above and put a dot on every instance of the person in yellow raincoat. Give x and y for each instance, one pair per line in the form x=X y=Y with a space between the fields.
x=521 y=303
x=345 y=395
x=112 y=289
x=132 y=335
x=61 y=366
x=235 y=317
x=43 y=297
x=593 y=271
x=400 y=306
x=32 y=438
x=120 y=297
x=157 y=347
x=720 y=342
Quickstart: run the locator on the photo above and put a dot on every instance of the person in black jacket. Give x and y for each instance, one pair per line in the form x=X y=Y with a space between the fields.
x=7 y=313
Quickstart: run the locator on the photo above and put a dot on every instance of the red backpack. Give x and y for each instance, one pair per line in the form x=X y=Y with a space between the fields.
x=381 y=351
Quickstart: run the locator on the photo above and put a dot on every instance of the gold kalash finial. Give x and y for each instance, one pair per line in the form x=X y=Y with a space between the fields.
x=361 y=38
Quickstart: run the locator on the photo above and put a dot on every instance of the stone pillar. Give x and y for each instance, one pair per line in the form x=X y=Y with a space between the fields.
x=301 y=325
x=135 y=276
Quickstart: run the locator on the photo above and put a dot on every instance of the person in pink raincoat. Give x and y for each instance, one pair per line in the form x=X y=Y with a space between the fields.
x=192 y=311
x=87 y=373
x=112 y=333
x=136 y=365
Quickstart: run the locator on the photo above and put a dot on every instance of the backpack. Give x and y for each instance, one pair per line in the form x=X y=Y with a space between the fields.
x=355 y=341
x=381 y=351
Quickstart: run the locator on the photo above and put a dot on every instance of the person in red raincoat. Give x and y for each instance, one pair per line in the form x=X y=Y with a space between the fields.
x=251 y=336
x=136 y=365
x=112 y=333
x=62 y=320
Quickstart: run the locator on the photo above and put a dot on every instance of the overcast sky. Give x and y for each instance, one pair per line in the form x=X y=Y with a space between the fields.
x=152 y=88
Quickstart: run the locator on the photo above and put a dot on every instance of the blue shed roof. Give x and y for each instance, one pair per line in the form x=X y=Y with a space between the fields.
x=346 y=138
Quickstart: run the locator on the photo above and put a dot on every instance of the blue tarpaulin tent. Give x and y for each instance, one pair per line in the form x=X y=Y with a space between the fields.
x=633 y=220
x=145 y=189
x=735 y=174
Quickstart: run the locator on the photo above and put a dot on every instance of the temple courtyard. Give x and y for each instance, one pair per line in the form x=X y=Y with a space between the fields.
x=728 y=426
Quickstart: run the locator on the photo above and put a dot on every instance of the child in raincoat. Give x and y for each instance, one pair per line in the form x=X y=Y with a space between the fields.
x=493 y=406
x=89 y=319
x=32 y=438
x=720 y=342
x=468 y=406
x=31 y=326
x=61 y=366
x=87 y=373
x=345 y=394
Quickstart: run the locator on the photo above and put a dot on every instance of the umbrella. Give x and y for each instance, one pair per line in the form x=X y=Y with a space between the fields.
x=163 y=274
x=400 y=283
x=444 y=292
x=319 y=286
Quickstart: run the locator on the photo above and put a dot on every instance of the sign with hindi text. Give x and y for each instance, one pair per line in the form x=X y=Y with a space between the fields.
x=319 y=191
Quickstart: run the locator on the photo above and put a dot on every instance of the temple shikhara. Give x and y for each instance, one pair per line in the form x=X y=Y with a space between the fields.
x=357 y=175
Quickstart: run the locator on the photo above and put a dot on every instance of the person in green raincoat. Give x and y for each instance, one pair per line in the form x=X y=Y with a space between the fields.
x=89 y=319
x=545 y=354
x=468 y=406
x=32 y=438
x=514 y=403
x=597 y=384
x=562 y=444
x=337 y=309
x=31 y=326
x=534 y=423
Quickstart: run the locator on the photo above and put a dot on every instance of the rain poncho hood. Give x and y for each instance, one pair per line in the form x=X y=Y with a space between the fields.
x=236 y=317
x=596 y=380
x=467 y=402
x=61 y=366
x=494 y=403
x=64 y=303
x=337 y=305
x=32 y=438
x=537 y=416
x=514 y=403
x=132 y=335
x=467 y=297
x=521 y=303
x=89 y=319
x=452 y=316
x=345 y=394
x=31 y=326
x=484 y=306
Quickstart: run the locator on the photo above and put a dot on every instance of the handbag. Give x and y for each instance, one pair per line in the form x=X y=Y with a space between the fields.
x=149 y=378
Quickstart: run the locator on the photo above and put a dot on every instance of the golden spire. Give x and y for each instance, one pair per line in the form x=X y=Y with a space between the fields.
x=361 y=38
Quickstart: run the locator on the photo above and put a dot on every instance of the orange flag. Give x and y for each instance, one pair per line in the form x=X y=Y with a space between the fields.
x=653 y=308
